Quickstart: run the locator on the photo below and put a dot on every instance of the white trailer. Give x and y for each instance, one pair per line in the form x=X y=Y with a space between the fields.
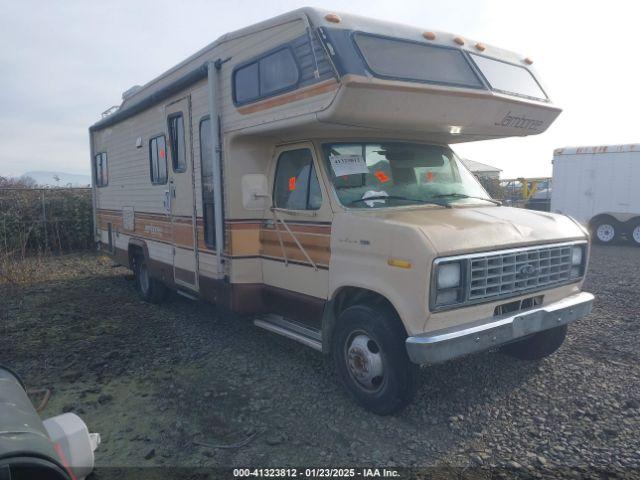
x=598 y=187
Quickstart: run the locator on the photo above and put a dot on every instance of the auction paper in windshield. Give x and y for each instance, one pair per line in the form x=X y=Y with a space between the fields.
x=348 y=165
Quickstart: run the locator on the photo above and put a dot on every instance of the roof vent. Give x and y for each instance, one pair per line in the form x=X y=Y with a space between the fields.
x=131 y=92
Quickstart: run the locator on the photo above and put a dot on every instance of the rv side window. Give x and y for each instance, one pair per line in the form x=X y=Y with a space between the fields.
x=176 y=141
x=269 y=75
x=206 y=169
x=158 y=160
x=296 y=184
x=102 y=178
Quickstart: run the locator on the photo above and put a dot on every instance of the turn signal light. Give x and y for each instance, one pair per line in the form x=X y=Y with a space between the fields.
x=395 y=262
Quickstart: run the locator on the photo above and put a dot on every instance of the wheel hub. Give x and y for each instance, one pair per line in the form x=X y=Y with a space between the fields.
x=636 y=234
x=365 y=361
x=605 y=232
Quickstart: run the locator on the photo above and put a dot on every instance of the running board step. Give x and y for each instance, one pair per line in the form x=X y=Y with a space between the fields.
x=184 y=294
x=310 y=337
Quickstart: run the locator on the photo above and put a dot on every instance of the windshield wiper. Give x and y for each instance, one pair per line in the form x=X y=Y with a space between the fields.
x=462 y=195
x=397 y=197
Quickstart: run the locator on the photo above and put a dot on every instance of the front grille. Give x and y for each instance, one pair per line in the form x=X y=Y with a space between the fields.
x=508 y=273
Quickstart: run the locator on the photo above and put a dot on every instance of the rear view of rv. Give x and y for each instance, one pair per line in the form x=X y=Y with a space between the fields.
x=595 y=185
x=300 y=171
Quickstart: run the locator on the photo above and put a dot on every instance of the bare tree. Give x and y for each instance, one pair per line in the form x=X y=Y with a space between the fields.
x=18 y=182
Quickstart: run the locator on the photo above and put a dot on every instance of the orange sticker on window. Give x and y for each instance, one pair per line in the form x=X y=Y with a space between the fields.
x=292 y=184
x=429 y=176
x=162 y=153
x=381 y=176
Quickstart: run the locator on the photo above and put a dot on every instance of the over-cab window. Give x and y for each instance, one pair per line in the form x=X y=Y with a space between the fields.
x=268 y=75
x=176 y=141
x=509 y=78
x=158 y=160
x=414 y=61
x=101 y=178
x=296 y=184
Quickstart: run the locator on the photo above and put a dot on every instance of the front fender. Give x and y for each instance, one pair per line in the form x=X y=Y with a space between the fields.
x=360 y=252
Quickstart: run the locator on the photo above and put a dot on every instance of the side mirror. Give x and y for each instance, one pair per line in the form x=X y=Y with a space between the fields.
x=255 y=192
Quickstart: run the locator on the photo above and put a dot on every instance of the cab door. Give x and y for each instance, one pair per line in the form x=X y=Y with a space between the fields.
x=295 y=239
x=181 y=192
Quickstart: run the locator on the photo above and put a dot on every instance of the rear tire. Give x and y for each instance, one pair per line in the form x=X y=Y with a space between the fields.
x=634 y=233
x=149 y=289
x=370 y=357
x=537 y=346
x=605 y=231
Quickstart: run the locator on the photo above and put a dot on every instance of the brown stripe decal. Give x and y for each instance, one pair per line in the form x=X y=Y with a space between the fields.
x=301 y=94
x=244 y=238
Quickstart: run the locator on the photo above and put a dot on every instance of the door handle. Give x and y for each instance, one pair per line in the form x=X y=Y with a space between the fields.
x=166 y=203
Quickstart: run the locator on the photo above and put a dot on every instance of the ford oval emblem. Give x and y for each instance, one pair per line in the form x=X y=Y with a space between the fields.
x=527 y=270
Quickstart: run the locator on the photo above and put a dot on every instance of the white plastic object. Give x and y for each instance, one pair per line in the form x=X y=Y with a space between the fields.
x=73 y=443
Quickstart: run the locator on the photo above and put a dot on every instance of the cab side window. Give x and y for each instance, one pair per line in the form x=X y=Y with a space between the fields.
x=296 y=185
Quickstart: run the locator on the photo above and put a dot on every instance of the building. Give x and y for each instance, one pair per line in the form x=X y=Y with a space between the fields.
x=482 y=170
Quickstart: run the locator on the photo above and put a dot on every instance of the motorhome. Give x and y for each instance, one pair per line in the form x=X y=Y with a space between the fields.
x=299 y=171
x=597 y=186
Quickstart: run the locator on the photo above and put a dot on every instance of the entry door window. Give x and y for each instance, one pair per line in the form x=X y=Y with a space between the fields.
x=206 y=169
x=296 y=185
x=176 y=141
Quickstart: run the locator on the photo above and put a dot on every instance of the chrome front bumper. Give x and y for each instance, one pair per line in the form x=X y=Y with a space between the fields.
x=450 y=343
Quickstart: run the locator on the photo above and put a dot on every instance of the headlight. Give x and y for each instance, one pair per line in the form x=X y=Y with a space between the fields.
x=576 y=256
x=448 y=275
x=448 y=283
x=577 y=261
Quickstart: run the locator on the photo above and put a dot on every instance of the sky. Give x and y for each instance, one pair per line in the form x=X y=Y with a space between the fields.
x=62 y=63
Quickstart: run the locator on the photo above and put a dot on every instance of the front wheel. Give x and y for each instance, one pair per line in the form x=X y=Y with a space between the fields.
x=538 y=345
x=371 y=360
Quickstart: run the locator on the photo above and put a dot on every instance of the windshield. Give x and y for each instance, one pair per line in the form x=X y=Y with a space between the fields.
x=396 y=174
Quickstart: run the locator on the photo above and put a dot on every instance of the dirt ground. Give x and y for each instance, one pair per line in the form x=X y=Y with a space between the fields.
x=157 y=381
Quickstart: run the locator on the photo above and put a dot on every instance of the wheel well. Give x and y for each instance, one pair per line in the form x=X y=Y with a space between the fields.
x=134 y=250
x=602 y=217
x=346 y=297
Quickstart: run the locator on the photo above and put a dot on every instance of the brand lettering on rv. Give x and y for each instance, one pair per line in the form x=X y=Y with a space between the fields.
x=521 y=122
x=152 y=229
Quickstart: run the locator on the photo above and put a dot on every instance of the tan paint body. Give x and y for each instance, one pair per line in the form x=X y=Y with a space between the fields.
x=420 y=235
x=350 y=248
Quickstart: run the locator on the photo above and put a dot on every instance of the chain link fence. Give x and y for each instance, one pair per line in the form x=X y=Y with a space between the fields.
x=45 y=220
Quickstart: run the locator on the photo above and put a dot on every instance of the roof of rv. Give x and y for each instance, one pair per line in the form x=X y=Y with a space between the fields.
x=629 y=147
x=324 y=18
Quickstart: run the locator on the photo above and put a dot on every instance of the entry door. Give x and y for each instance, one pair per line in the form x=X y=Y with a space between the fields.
x=181 y=191
x=296 y=270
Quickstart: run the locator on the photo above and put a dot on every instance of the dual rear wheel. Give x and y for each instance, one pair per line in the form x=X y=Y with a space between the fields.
x=150 y=289
x=607 y=230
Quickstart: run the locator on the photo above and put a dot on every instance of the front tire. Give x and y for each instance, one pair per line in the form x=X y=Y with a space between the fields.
x=149 y=289
x=370 y=357
x=538 y=345
x=606 y=231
